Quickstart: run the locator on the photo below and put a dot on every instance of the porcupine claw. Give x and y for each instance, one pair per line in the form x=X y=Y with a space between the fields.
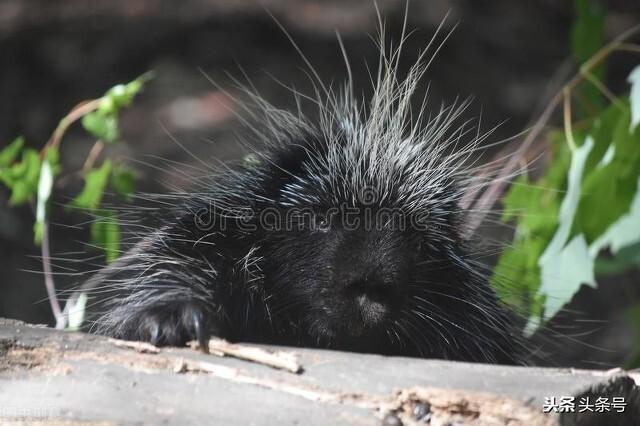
x=200 y=331
x=154 y=334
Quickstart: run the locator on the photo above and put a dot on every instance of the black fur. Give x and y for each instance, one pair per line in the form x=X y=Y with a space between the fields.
x=241 y=259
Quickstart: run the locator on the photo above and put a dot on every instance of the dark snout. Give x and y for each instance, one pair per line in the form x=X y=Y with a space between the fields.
x=372 y=274
x=371 y=293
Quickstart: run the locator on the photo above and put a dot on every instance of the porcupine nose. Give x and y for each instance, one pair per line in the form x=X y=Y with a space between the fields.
x=372 y=296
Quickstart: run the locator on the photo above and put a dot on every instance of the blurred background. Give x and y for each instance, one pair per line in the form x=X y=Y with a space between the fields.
x=509 y=56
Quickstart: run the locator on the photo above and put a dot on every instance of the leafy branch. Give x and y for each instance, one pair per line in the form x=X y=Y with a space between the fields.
x=494 y=191
x=34 y=175
x=585 y=208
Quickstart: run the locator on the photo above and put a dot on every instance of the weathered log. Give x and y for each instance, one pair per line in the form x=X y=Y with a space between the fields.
x=54 y=377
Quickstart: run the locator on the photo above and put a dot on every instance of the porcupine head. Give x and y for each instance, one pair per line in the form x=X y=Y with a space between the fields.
x=353 y=238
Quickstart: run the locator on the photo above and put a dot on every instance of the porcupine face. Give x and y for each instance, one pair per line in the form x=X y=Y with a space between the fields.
x=367 y=253
x=358 y=237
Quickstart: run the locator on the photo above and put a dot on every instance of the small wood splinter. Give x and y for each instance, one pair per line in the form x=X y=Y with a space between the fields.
x=275 y=359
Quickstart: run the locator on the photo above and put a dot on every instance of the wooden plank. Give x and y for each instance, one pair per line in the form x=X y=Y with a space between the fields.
x=59 y=377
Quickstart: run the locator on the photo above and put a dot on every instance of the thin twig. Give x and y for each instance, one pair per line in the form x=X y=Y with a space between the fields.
x=629 y=47
x=568 y=131
x=275 y=359
x=74 y=115
x=603 y=89
x=48 y=278
x=54 y=141
x=142 y=347
x=236 y=375
x=93 y=155
x=492 y=193
x=557 y=82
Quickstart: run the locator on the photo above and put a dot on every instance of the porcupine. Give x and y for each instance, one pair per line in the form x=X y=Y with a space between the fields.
x=345 y=232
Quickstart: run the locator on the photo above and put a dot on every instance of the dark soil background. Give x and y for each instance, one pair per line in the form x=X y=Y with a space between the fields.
x=506 y=54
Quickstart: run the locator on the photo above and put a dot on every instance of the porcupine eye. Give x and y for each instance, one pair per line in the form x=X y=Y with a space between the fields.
x=322 y=223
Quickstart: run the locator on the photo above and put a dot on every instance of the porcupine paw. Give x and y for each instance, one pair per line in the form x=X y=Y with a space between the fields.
x=173 y=325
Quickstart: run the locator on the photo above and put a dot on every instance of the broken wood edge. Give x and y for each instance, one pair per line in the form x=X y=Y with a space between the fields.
x=278 y=359
x=446 y=405
x=47 y=354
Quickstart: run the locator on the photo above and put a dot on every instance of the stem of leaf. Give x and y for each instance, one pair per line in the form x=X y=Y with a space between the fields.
x=74 y=115
x=588 y=75
x=493 y=191
x=48 y=277
x=629 y=47
x=93 y=155
x=568 y=130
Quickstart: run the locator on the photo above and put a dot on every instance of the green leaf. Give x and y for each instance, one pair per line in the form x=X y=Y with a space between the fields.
x=105 y=233
x=9 y=153
x=118 y=97
x=122 y=181
x=24 y=177
x=121 y=95
x=627 y=144
x=103 y=126
x=563 y=273
x=624 y=232
x=516 y=277
x=558 y=281
x=634 y=97
x=94 y=186
x=587 y=33
x=75 y=308
x=103 y=122
x=45 y=185
x=587 y=37
x=5 y=177
x=612 y=183
x=602 y=130
x=536 y=208
x=625 y=258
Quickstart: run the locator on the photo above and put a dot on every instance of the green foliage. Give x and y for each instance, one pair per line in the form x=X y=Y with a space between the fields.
x=48 y=171
x=105 y=230
x=536 y=206
x=587 y=37
x=21 y=177
x=103 y=122
x=31 y=175
x=102 y=126
x=587 y=201
x=123 y=181
x=613 y=184
x=558 y=280
x=95 y=182
x=581 y=218
x=105 y=233
x=76 y=312
x=10 y=152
